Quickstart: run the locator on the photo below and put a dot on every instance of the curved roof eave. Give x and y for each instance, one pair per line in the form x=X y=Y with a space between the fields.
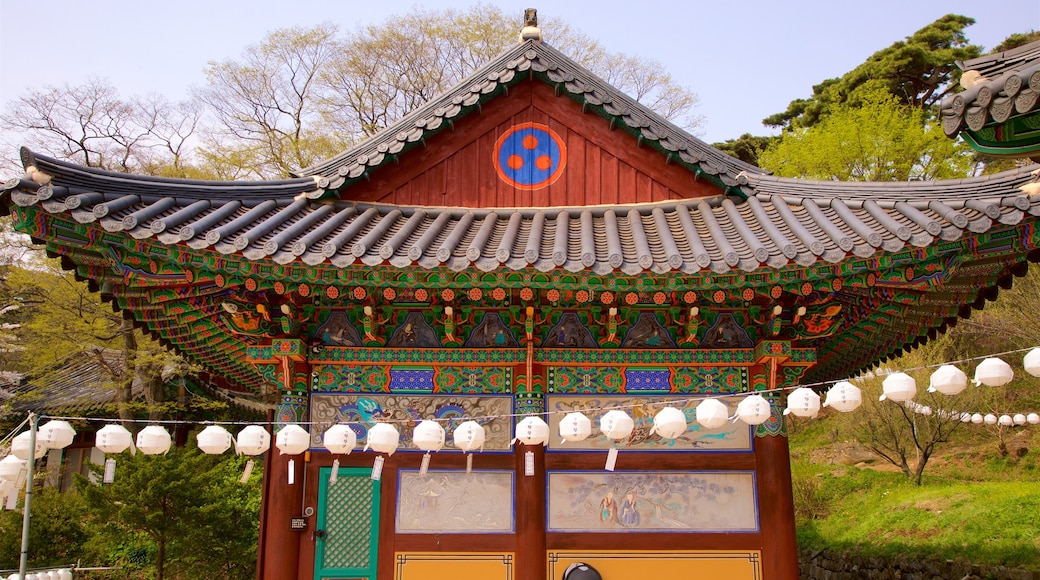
x=1007 y=84
x=782 y=222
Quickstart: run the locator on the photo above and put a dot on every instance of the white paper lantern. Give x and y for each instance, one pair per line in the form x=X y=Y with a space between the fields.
x=990 y=419
x=469 y=436
x=993 y=372
x=844 y=396
x=1032 y=362
x=383 y=438
x=1032 y=418
x=64 y=574
x=428 y=436
x=292 y=439
x=803 y=402
x=575 y=427
x=532 y=430
x=213 y=440
x=113 y=439
x=616 y=424
x=1005 y=421
x=1019 y=419
x=339 y=439
x=923 y=410
x=712 y=413
x=977 y=418
x=898 y=387
x=11 y=467
x=56 y=434
x=253 y=440
x=20 y=446
x=154 y=440
x=754 y=410
x=669 y=423
x=965 y=417
x=948 y=380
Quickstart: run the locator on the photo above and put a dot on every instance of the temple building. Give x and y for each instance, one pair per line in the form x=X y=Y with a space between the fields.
x=533 y=242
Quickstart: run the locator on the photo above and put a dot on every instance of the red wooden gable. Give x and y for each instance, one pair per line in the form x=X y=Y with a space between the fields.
x=600 y=166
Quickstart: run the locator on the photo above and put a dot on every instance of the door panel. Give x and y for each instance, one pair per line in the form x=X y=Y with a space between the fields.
x=347 y=527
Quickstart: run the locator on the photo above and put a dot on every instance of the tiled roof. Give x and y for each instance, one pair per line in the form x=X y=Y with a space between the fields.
x=537 y=60
x=783 y=222
x=1009 y=84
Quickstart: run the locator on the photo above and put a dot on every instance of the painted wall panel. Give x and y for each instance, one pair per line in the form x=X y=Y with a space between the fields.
x=655 y=501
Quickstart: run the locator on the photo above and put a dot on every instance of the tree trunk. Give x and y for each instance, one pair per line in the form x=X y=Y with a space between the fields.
x=125 y=388
x=160 y=558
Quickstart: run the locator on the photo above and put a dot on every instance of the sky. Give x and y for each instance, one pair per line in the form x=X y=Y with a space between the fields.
x=745 y=60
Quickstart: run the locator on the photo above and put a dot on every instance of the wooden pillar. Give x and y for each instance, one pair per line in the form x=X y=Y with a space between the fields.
x=530 y=513
x=278 y=555
x=776 y=505
x=279 y=550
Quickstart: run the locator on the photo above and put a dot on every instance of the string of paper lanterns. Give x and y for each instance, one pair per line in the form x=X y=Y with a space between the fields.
x=615 y=424
x=60 y=574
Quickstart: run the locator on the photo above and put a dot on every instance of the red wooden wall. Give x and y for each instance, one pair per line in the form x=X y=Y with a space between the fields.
x=456 y=168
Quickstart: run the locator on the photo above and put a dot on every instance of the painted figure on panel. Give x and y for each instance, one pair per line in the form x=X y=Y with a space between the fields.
x=337 y=331
x=608 y=508
x=647 y=332
x=726 y=333
x=629 y=513
x=414 y=333
x=491 y=333
x=569 y=333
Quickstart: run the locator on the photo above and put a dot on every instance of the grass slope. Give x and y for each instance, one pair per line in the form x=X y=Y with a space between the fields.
x=973 y=504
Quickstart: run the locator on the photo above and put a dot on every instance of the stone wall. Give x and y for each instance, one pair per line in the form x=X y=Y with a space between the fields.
x=827 y=565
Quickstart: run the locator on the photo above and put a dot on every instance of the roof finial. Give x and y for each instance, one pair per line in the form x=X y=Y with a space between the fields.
x=531 y=30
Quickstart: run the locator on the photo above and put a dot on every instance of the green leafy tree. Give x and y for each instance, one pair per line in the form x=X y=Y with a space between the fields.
x=878 y=139
x=919 y=71
x=747 y=147
x=178 y=515
x=1016 y=40
x=57 y=535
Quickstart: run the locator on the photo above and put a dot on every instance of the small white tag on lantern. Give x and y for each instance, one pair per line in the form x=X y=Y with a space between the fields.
x=425 y=466
x=292 y=472
x=247 y=472
x=469 y=462
x=611 y=459
x=377 y=468
x=12 y=501
x=335 y=471
x=110 y=471
x=529 y=463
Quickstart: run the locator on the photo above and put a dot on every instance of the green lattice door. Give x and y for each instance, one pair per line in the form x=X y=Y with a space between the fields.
x=347 y=526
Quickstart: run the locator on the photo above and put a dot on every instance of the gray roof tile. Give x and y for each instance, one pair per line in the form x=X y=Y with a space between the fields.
x=1009 y=84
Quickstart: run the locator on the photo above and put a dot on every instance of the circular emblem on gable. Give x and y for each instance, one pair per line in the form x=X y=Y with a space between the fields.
x=530 y=156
